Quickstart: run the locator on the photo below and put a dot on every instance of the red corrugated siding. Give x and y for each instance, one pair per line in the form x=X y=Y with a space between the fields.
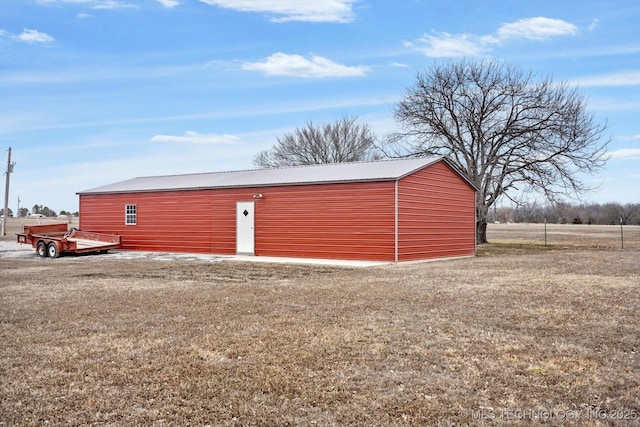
x=339 y=221
x=167 y=221
x=436 y=214
x=342 y=221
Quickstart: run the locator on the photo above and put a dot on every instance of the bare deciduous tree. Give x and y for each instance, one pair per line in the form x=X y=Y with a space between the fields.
x=339 y=142
x=625 y=213
x=506 y=130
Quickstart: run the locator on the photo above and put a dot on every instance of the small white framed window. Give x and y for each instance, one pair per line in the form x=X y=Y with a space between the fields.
x=130 y=214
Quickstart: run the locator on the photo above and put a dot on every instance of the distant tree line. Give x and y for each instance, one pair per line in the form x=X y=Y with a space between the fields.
x=38 y=210
x=566 y=213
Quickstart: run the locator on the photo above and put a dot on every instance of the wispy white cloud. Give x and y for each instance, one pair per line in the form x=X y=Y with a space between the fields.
x=31 y=122
x=169 y=3
x=293 y=10
x=191 y=137
x=443 y=44
x=35 y=36
x=94 y=4
x=629 y=137
x=614 y=104
x=112 y=4
x=538 y=28
x=627 y=78
x=625 y=153
x=29 y=36
x=54 y=2
x=99 y=71
x=282 y=64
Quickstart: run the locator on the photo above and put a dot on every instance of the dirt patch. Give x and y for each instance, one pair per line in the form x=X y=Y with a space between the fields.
x=522 y=334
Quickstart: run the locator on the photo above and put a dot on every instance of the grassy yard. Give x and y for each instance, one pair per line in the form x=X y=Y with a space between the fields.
x=522 y=334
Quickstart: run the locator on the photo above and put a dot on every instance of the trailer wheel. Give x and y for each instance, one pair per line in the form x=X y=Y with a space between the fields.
x=41 y=249
x=52 y=250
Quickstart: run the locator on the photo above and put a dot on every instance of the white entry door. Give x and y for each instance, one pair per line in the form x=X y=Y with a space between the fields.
x=245 y=236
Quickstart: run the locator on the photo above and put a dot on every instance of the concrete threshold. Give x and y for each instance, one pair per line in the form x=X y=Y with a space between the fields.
x=307 y=261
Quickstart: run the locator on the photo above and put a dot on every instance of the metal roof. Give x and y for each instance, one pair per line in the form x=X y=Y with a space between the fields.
x=385 y=170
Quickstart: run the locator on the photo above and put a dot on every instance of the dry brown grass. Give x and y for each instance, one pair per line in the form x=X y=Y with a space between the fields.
x=522 y=331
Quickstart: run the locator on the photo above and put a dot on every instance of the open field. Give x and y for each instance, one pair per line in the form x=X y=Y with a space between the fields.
x=14 y=225
x=522 y=334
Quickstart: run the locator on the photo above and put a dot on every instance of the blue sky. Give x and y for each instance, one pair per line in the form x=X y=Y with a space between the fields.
x=97 y=91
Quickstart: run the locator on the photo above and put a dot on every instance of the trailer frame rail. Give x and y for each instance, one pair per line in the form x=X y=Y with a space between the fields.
x=52 y=240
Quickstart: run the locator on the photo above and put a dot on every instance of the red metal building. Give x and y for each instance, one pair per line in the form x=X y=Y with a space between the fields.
x=394 y=210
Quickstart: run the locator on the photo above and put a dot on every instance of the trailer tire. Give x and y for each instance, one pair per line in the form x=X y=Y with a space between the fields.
x=52 y=250
x=41 y=249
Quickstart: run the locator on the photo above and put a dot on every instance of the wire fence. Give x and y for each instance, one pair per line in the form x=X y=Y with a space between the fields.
x=572 y=235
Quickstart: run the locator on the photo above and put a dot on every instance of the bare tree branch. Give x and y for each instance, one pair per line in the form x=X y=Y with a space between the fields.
x=505 y=129
x=339 y=142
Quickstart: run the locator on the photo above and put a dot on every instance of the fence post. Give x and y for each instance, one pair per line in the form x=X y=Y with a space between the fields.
x=621 y=234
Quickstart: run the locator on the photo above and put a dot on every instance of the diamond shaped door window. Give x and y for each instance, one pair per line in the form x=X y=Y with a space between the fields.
x=245 y=213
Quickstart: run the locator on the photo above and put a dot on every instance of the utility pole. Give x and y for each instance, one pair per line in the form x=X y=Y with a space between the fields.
x=6 y=194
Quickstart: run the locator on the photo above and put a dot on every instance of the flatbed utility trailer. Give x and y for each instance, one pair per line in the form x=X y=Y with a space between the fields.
x=51 y=240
